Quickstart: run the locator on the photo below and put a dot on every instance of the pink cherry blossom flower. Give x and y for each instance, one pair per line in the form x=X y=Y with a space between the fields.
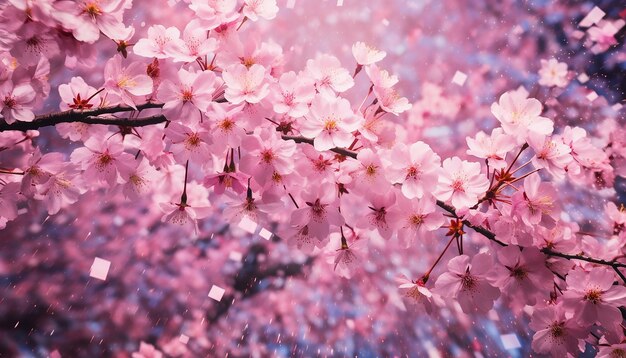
x=536 y=203
x=390 y=101
x=214 y=13
x=158 y=38
x=126 y=82
x=226 y=179
x=316 y=166
x=414 y=218
x=415 y=291
x=194 y=43
x=189 y=97
x=591 y=296
x=520 y=115
x=254 y=9
x=321 y=210
x=9 y=196
x=16 y=102
x=267 y=154
x=522 y=274
x=366 y=55
x=494 y=147
x=328 y=74
x=612 y=351
x=585 y=153
x=347 y=259
x=616 y=215
x=103 y=160
x=61 y=189
x=299 y=238
x=468 y=283
x=139 y=181
x=39 y=169
x=226 y=129
x=35 y=42
x=189 y=143
x=78 y=95
x=87 y=18
x=553 y=73
x=551 y=154
x=330 y=122
x=245 y=84
x=380 y=78
x=366 y=172
x=555 y=334
x=292 y=94
x=184 y=214
x=417 y=168
x=376 y=217
x=461 y=182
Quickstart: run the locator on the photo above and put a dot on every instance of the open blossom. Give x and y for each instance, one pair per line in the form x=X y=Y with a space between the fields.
x=328 y=74
x=226 y=128
x=416 y=168
x=415 y=291
x=345 y=256
x=87 y=18
x=380 y=78
x=184 y=215
x=616 y=215
x=245 y=84
x=126 y=82
x=254 y=9
x=550 y=153
x=377 y=214
x=553 y=73
x=366 y=172
x=522 y=274
x=39 y=168
x=189 y=96
x=366 y=55
x=61 y=188
x=16 y=102
x=103 y=160
x=591 y=296
x=520 y=115
x=494 y=147
x=267 y=155
x=461 y=182
x=330 y=122
x=140 y=180
x=414 y=218
x=158 y=38
x=193 y=44
x=536 y=203
x=468 y=283
x=390 y=101
x=189 y=143
x=78 y=95
x=9 y=196
x=320 y=211
x=214 y=13
x=293 y=94
x=555 y=334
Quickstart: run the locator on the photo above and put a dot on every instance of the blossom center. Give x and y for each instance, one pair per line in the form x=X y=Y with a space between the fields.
x=593 y=295
x=330 y=124
x=92 y=9
x=267 y=156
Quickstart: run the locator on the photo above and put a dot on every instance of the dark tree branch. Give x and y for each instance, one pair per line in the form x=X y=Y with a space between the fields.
x=88 y=116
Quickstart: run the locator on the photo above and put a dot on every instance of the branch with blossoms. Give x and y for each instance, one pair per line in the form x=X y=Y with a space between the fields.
x=210 y=124
x=91 y=117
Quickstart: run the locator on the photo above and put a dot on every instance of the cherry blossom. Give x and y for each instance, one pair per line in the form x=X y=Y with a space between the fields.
x=366 y=55
x=413 y=219
x=551 y=154
x=16 y=102
x=320 y=211
x=494 y=147
x=293 y=94
x=254 y=9
x=553 y=73
x=193 y=44
x=555 y=334
x=189 y=143
x=328 y=75
x=245 y=84
x=77 y=94
x=190 y=96
x=520 y=115
x=330 y=122
x=103 y=159
x=126 y=82
x=417 y=168
x=158 y=39
x=461 y=182
x=468 y=283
